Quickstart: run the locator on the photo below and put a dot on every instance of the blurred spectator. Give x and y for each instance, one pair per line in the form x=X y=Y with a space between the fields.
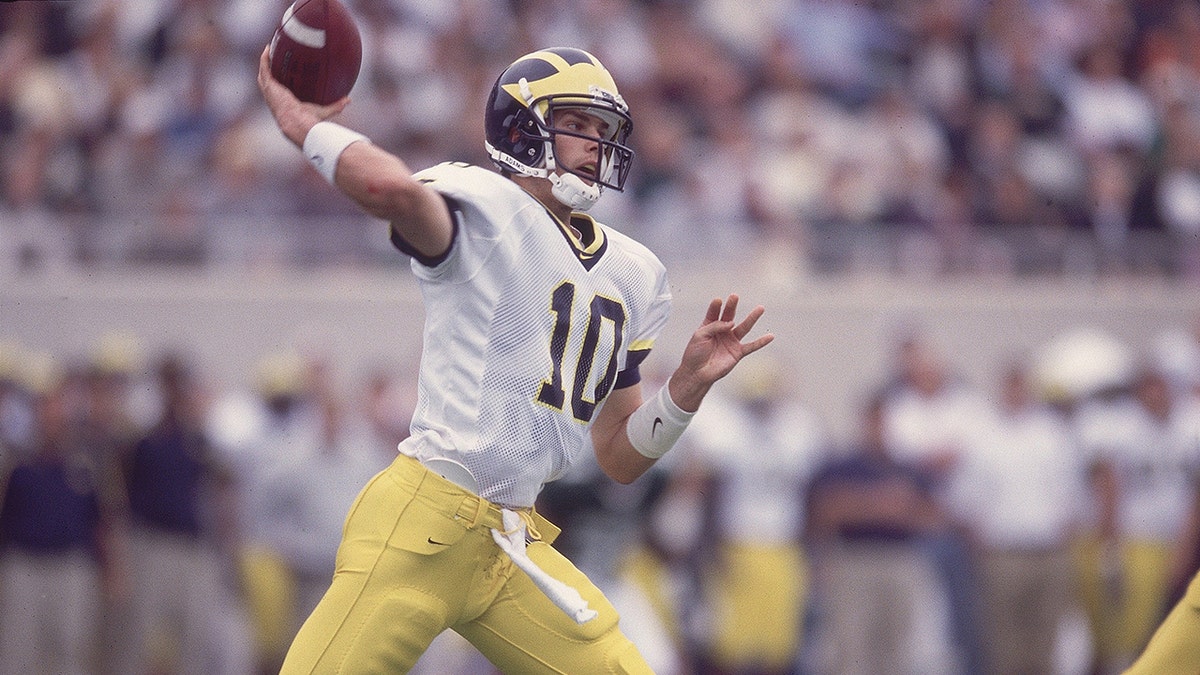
x=940 y=74
x=1020 y=494
x=306 y=514
x=58 y=514
x=879 y=605
x=658 y=584
x=584 y=504
x=1185 y=556
x=804 y=137
x=930 y=413
x=1106 y=111
x=293 y=427
x=257 y=433
x=116 y=109
x=636 y=542
x=1144 y=465
x=758 y=450
x=1112 y=180
x=904 y=154
x=109 y=426
x=388 y=402
x=179 y=499
x=931 y=417
x=1175 y=351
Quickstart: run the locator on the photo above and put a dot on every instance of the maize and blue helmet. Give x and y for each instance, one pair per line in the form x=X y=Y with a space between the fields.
x=520 y=129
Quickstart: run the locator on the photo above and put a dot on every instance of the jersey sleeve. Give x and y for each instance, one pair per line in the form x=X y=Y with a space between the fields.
x=647 y=330
x=482 y=203
x=404 y=247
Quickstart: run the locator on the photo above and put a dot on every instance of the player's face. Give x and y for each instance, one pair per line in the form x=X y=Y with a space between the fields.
x=580 y=153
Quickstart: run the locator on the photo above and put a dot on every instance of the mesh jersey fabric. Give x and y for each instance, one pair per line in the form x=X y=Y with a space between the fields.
x=528 y=326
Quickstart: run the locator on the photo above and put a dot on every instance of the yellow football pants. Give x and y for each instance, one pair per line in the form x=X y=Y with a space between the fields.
x=760 y=597
x=1123 y=618
x=271 y=598
x=1175 y=647
x=417 y=557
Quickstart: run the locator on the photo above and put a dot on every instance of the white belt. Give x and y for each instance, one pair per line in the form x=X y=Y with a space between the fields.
x=454 y=472
x=512 y=542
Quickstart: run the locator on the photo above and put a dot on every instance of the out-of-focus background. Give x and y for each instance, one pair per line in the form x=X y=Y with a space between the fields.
x=975 y=225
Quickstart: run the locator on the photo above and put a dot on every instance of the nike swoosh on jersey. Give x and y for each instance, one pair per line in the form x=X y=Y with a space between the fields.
x=436 y=543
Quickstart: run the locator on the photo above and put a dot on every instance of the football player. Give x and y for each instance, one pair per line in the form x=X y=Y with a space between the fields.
x=537 y=320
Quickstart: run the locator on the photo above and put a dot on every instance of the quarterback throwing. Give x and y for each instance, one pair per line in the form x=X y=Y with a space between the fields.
x=538 y=318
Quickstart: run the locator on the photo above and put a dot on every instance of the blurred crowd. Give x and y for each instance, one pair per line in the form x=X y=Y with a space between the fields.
x=151 y=524
x=1006 y=136
x=1041 y=522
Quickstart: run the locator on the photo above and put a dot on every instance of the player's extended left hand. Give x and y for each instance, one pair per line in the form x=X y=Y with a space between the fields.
x=293 y=116
x=714 y=349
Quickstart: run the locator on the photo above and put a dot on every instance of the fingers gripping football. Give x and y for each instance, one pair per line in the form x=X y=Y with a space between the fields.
x=316 y=51
x=293 y=116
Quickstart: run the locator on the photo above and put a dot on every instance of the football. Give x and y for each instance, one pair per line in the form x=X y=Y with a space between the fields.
x=316 y=51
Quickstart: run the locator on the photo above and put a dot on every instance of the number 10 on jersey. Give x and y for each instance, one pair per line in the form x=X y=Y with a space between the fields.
x=602 y=311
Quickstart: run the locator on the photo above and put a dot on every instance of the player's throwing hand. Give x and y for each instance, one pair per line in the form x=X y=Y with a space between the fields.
x=295 y=117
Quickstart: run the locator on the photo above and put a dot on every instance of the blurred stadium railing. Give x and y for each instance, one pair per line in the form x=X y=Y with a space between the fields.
x=231 y=244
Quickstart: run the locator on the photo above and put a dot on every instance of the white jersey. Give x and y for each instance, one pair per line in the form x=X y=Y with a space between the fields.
x=1156 y=463
x=1021 y=484
x=763 y=462
x=528 y=328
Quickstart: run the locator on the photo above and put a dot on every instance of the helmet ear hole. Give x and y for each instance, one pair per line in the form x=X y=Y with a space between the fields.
x=524 y=138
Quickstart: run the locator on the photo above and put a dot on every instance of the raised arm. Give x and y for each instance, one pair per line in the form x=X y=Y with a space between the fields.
x=378 y=181
x=630 y=434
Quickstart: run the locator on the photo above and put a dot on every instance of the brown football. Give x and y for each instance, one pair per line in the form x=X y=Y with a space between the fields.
x=317 y=50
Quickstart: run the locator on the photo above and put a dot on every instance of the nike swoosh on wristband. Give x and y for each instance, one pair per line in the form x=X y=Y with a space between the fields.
x=654 y=427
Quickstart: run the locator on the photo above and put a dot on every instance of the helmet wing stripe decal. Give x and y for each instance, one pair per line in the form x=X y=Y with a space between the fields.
x=569 y=57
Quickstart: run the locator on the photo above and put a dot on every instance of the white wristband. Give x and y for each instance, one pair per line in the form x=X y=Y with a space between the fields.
x=657 y=424
x=325 y=142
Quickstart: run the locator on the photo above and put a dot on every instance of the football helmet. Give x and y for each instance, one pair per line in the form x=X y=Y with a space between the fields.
x=520 y=126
